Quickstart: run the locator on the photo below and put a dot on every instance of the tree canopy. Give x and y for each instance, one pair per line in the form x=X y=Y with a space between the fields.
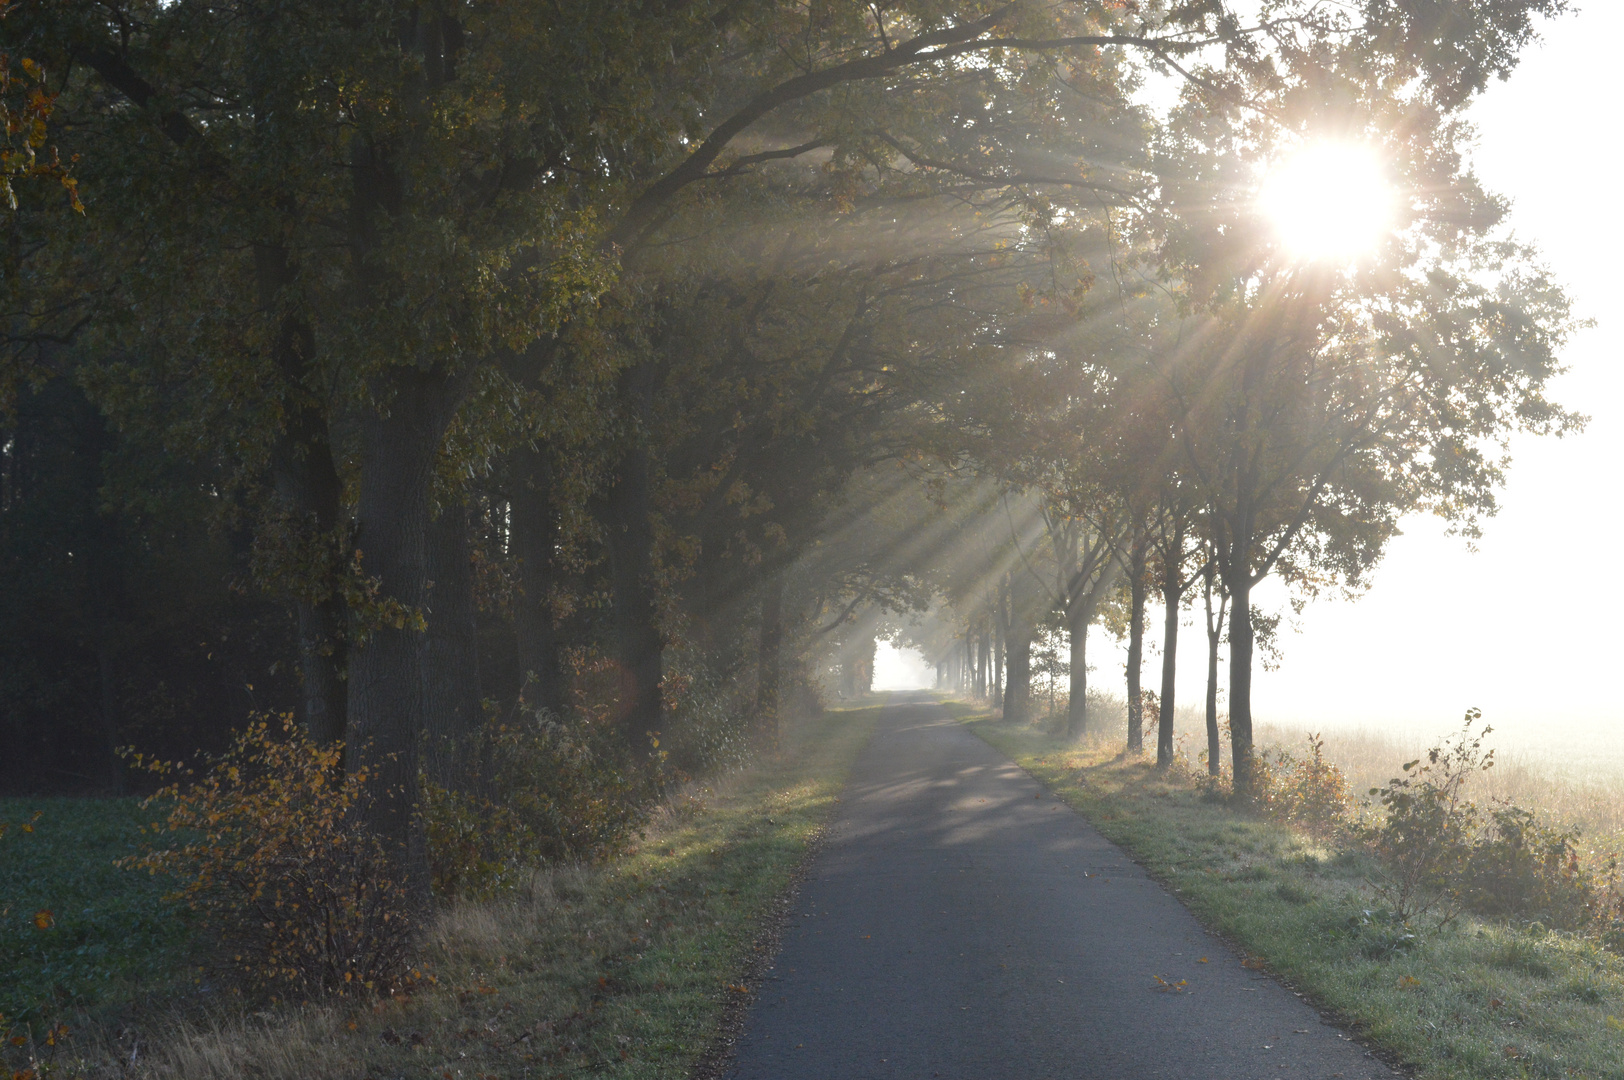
x=470 y=357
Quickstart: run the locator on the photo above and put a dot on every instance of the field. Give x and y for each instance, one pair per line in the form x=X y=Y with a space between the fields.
x=1473 y=998
x=624 y=969
x=77 y=932
x=1592 y=800
x=1574 y=789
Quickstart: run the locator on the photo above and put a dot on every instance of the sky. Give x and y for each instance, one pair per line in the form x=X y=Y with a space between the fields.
x=1524 y=627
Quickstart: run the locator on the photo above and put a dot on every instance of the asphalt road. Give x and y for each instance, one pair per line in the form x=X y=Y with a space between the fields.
x=960 y=923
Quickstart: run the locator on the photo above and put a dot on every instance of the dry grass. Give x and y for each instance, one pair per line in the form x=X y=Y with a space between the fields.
x=622 y=969
x=1593 y=803
x=1589 y=796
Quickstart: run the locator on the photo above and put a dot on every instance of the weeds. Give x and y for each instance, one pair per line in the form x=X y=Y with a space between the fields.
x=1309 y=792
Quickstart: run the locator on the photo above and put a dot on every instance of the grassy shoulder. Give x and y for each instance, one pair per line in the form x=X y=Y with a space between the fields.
x=617 y=970
x=1471 y=999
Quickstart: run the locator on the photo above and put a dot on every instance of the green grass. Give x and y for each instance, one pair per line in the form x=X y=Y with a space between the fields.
x=111 y=939
x=618 y=970
x=1473 y=999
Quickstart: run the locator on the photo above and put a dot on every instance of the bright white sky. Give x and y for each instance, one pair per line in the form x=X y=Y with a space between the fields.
x=1525 y=627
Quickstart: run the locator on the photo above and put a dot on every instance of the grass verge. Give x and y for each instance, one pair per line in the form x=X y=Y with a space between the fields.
x=1472 y=999
x=624 y=969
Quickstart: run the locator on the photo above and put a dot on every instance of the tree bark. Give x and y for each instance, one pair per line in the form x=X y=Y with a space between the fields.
x=310 y=493
x=1018 y=670
x=983 y=661
x=1000 y=635
x=769 y=673
x=1173 y=600
x=1215 y=633
x=453 y=715
x=1240 y=683
x=1137 y=557
x=968 y=676
x=535 y=533
x=302 y=469
x=387 y=710
x=1077 y=708
x=639 y=711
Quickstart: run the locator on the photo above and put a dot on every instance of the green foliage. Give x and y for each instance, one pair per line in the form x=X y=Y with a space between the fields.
x=1522 y=867
x=266 y=848
x=1428 y=828
x=709 y=731
x=556 y=792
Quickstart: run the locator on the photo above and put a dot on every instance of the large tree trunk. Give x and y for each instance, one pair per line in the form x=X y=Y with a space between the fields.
x=310 y=493
x=1215 y=633
x=534 y=540
x=1138 y=553
x=983 y=661
x=769 y=674
x=967 y=677
x=387 y=710
x=1000 y=634
x=1173 y=599
x=451 y=654
x=302 y=469
x=1077 y=708
x=639 y=711
x=1240 y=683
x=1018 y=670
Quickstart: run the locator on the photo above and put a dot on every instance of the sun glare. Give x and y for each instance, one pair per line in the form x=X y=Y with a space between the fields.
x=1328 y=201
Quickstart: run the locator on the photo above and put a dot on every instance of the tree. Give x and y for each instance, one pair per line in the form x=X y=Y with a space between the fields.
x=1318 y=403
x=1173 y=554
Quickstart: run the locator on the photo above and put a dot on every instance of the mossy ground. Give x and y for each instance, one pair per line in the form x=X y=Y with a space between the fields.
x=1470 y=999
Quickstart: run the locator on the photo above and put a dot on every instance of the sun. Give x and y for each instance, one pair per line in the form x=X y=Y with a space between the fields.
x=1328 y=201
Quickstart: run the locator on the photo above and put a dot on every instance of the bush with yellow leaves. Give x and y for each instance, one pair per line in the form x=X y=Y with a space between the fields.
x=1308 y=791
x=266 y=844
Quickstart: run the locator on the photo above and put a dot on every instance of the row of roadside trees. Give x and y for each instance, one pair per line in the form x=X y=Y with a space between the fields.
x=569 y=353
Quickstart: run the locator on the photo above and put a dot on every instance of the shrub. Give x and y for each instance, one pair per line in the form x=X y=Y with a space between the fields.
x=1310 y=792
x=709 y=714
x=1443 y=851
x=555 y=792
x=1427 y=833
x=1522 y=867
x=31 y=1051
x=266 y=846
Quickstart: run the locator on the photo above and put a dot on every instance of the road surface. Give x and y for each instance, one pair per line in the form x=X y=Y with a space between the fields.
x=961 y=923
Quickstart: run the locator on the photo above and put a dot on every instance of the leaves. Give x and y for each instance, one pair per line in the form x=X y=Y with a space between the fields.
x=266 y=846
